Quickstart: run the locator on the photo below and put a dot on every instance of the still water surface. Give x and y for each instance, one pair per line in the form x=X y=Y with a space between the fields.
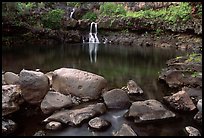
x=116 y=63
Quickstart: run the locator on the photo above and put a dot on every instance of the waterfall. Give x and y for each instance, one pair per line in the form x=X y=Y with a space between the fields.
x=93 y=36
x=72 y=12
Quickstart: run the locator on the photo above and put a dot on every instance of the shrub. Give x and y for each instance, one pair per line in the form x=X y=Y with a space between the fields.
x=24 y=7
x=90 y=15
x=53 y=18
x=112 y=9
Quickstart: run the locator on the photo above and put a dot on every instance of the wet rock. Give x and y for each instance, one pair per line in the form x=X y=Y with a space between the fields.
x=54 y=101
x=125 y=130
x=11 y=99
x=194 y=93
x=34 y=86
x=198 y=118
x=76 y=116
x=49 y=75
x=40 y=133
x=79 y=83
x=116 y=98
x=3 y=80
x=191 y=131
x=53 y=125
x=11 y=78
x=149 y=110
x=180 y=101
x=98 y=123
x=133 y=88
x=199 y=105
x=8 y=126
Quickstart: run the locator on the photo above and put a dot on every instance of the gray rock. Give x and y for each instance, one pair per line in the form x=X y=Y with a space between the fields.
x=191 y=131
x=8 y=126
x=53 y=125
x=11 y=78
x=133 y=88
x=11 y=99
x=199 y=105
x=34 y=86
x=76 y=116
x=125 y=130
x=49 y=75
x=79 y=83
x=198 y=118
x=149 y=110
x=117 y=99
x=3 y=80
x=54 y=101
x=98 y=123
x=180 y=101
x=40 y=133
x=194 y=93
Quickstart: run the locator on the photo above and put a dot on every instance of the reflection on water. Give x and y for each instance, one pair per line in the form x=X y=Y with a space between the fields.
x=93 y=47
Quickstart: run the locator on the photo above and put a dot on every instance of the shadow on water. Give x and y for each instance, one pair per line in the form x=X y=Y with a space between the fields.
x=116 y=63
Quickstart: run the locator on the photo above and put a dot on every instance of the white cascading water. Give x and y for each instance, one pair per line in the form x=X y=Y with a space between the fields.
x=93 y=36
x=72 y=12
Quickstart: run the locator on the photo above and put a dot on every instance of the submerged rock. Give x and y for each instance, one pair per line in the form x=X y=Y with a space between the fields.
x=8 y=126
x=53 y=125
x=34 y=86
x=180 y=101
x=191 y=131
x=54 y=101
x=11 y=78
x=116 y=98
x=98 y=123
x=149 y=110
x=77 y=82
x=76 y=116
x=11 y=99
x=125 y=130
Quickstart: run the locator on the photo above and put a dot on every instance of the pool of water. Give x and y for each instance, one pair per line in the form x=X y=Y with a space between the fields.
x=116 y=63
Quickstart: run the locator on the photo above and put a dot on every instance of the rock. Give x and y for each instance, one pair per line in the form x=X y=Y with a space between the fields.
x=11 y=78
x=54 y=101
x=149 y=110
x=191 y=131
x=199 y=105
x=133 y=88
x=198 y=118
x=79 y=83
x=98 y=123
x=125 y=130
x=76 y=116
x=34 y=86
x=11 y=99
x=53 y=125
x=40 y=133
x=194 y=93
x=49 y=75
x=180 y=101
x=3 y=80
x=8 y=126
x=116 y=98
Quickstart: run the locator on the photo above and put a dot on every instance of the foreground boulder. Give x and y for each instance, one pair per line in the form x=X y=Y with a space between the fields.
x=149 y=110
x=8 y=126
x=98 y=123
x=76 y=116
x=11 y=78
x=11 y=99
x=54 y=101
x=77 y=82
x=34 y=86
x=180 y=101
x=125 y=130
x=191 y=131
x=117 y=99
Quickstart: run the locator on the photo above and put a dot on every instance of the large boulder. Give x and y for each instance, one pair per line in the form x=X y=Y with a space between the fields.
x=180 y=101
x=54 y=101
x=34 y=86
x=11 y=78
x=117 y=99
x=125 y=130
x=11 y=99
x=77 y=82
x=76 y=116
x=149 y=110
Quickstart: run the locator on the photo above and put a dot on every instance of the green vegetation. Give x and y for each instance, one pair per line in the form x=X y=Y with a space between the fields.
x=90 y=15
x=112 y=9
x=194 y=58
x=74 y=4
x=172 y=14
x=196 y=74
x=23 y=7
x=52 y=19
